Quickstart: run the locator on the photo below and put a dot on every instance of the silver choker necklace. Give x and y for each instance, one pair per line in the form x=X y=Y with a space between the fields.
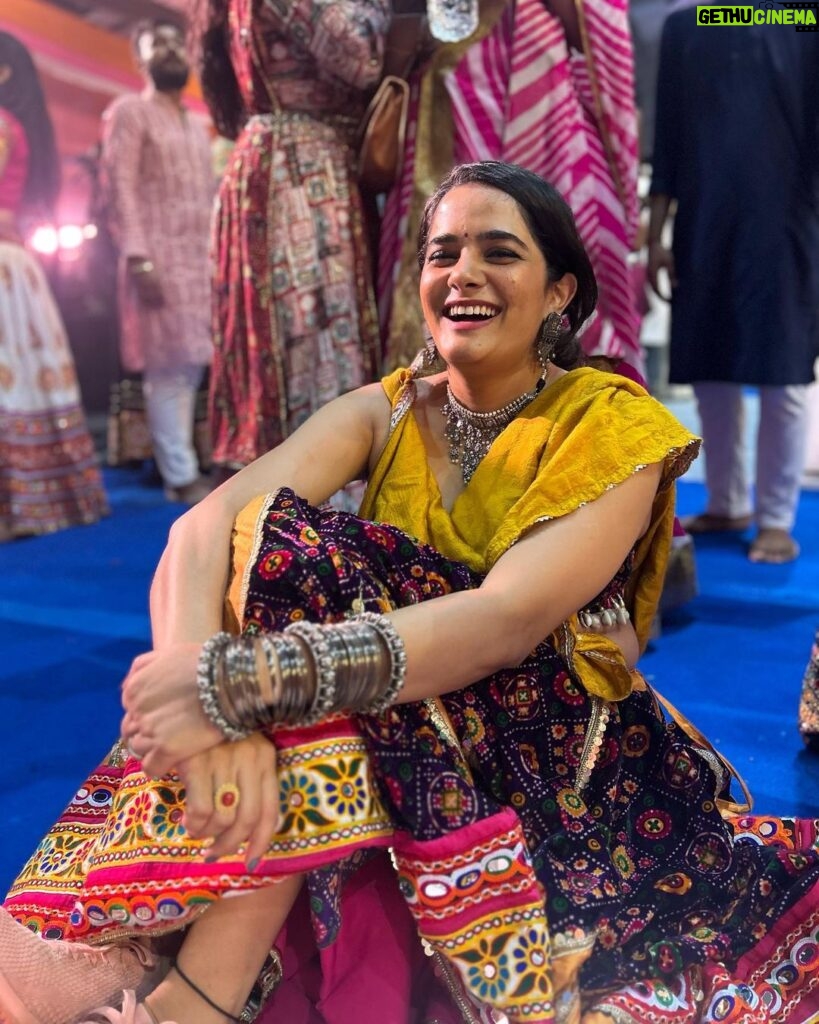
x=470 y=434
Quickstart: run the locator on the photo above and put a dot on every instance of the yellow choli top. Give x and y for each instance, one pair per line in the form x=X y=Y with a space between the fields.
x=585 y=433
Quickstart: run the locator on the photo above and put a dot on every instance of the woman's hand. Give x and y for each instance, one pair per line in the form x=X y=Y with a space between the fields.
x=661 y=258
x=232 y=795
x=164 y=723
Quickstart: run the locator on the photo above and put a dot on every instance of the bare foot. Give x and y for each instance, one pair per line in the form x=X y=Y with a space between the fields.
x=706 y=522
x=773 y=546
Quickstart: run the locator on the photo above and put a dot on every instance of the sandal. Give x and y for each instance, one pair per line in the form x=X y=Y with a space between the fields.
x=51 y=981
x=131 y=1012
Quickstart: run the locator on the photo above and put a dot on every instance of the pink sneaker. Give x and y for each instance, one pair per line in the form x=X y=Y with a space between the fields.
x=48 y=981
x=132 y=1012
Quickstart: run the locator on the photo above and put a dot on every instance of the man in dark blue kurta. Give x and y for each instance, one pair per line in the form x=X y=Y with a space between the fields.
x=737 y=147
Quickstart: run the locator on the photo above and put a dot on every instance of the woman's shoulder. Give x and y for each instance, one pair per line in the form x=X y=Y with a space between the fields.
x=589 y=390
x=616 y=419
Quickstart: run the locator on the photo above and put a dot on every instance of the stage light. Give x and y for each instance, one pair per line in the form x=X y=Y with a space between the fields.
x=70 y=236
x=45 y=240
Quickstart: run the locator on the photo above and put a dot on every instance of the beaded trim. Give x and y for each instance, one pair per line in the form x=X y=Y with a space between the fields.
x=206 y=685
x=574 y=941
x=453 y=985
x=471 y=434
x=403 y=404
x=317 y=642
x=595 y=731
x=398 y=661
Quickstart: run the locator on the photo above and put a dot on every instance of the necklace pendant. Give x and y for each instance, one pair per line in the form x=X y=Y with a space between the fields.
x=471 y=434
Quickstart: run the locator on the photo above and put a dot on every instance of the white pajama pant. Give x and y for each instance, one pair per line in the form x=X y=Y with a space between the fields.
x=170 y=399
x=780 y=451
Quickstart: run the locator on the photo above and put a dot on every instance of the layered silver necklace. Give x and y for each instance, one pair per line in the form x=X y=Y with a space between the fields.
x=470 y=434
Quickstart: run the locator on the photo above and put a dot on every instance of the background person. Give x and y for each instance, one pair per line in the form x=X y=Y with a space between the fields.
x=157 y=168
x=294 y=314
x=737 y=148
x=809 y=700
x=49 y=478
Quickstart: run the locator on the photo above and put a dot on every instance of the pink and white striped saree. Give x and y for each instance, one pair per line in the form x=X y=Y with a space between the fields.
x=516 y=92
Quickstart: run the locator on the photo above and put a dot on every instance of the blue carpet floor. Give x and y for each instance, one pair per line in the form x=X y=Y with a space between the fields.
x=73 y=613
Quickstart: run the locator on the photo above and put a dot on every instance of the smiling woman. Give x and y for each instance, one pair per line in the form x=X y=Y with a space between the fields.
x=449 y=674
x=486 y=292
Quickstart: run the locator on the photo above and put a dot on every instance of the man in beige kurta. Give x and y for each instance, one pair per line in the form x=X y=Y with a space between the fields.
x=158 y=174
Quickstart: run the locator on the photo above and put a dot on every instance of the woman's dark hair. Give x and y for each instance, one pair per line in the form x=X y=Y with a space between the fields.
x=22 y=96
x=211 y=47
x=550 y=220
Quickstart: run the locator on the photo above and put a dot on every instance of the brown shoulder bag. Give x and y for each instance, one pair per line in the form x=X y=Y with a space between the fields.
x=381 y=136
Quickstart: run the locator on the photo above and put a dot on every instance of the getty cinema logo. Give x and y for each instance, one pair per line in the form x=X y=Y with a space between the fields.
x=803 y=16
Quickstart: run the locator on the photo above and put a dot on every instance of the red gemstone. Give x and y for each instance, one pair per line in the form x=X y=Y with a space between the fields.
x=228 y=799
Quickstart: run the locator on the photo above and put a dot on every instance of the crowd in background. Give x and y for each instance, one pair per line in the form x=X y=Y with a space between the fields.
x=285 y=305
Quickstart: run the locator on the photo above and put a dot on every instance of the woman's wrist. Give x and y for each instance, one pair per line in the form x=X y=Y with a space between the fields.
x=300 y=675
x=207 y=682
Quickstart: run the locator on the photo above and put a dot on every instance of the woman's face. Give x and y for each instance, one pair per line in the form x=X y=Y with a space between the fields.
x=484 y=281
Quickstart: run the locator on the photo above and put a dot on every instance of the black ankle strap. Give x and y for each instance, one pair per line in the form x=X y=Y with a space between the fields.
x=203 y=995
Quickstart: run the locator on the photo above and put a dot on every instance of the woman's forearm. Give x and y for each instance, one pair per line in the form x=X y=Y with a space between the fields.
x=552 y=572
x=328 y=451
x=188 y=588
x=436 y=664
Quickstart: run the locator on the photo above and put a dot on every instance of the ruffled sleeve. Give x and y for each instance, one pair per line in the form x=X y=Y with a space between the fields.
x=598 y=430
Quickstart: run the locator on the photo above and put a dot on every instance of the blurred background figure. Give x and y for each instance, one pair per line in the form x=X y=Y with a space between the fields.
x=294 y=312
x=736 y=146
x=548 y=86
x=809 y=700
x=812 y=451
x=49 y=477
x=159 y=180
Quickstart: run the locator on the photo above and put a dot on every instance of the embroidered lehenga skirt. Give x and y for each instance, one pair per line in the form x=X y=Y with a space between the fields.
x=49 y=477
x=550 y=847
x=294 y=317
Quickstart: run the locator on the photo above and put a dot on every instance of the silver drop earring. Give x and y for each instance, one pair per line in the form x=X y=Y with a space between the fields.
x=549 y=335
x=430 y=353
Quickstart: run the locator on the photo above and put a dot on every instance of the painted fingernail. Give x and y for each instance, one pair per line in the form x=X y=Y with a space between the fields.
x=253 y=864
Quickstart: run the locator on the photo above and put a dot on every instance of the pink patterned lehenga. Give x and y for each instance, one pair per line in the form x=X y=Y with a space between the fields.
x=294 y=311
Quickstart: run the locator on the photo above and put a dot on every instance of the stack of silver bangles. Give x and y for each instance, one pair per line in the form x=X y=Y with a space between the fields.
x=300 y=675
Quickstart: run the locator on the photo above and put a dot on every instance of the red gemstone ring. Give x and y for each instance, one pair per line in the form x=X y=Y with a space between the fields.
x=226 y=797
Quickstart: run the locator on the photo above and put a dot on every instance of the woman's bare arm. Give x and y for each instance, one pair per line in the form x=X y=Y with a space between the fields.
x=330 y=450
x=557 y=568
x=450 y=642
